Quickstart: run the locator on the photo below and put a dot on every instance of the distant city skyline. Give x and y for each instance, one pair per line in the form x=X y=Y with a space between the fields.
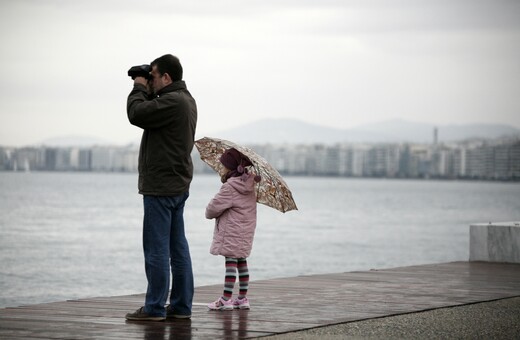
x=340 y=64
x=482 y=159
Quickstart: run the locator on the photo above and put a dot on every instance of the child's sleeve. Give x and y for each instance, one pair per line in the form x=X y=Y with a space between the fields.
x=220 y=203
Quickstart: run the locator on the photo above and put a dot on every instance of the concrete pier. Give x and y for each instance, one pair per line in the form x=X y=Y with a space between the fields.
x=292 y=304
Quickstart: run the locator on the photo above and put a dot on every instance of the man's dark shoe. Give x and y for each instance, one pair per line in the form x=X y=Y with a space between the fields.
x=170 y=314
x=140 y=315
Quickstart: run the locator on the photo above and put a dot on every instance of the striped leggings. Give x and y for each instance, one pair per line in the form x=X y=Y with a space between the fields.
x=232 y=265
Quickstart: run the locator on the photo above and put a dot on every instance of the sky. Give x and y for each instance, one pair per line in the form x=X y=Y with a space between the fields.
x=339 y=63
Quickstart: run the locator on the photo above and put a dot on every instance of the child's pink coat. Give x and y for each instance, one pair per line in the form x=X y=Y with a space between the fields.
x=234 y=208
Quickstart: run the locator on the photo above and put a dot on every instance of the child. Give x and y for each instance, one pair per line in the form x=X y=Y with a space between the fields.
x=234 y=208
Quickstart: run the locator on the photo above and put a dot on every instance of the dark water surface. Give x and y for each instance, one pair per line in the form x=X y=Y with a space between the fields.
x=74 y=235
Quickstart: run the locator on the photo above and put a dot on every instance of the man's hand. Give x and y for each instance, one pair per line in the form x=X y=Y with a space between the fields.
x=145 y=82
x=141 y=80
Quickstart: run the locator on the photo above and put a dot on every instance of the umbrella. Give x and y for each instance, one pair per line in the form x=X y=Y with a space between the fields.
x=271 y=190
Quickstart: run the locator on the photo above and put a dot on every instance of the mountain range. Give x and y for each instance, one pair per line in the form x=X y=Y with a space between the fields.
x=293 y=131
x=278 y=131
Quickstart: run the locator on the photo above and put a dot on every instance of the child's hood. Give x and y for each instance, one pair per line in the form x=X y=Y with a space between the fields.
x=244 y=184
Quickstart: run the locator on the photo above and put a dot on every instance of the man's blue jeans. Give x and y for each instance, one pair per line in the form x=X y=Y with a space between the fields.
x=164 y=241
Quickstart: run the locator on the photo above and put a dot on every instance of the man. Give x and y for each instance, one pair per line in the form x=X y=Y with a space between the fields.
x=169 y=118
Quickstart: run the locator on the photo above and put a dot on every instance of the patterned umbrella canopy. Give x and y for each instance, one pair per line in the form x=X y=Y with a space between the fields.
x=271 y=190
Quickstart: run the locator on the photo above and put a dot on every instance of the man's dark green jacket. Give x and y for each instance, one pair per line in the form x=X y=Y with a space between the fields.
x=169 y=121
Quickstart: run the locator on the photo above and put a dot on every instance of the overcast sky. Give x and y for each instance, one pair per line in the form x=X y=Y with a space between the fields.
x=335 y=63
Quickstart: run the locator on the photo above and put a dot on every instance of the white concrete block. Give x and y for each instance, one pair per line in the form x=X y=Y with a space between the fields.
x=495 y=242
x=478 y=246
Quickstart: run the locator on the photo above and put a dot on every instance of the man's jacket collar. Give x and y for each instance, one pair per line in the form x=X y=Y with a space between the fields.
x=176 y=85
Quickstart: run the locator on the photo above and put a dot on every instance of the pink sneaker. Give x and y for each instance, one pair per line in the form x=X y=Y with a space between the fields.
x=241 y=303
x=221 y=304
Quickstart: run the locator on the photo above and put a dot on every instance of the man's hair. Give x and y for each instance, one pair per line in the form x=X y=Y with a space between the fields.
x=169 y=64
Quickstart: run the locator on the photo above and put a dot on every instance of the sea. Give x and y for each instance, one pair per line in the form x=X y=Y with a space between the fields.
x=71 y=235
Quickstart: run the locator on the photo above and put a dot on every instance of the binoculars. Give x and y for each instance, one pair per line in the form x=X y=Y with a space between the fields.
x=140 y=71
